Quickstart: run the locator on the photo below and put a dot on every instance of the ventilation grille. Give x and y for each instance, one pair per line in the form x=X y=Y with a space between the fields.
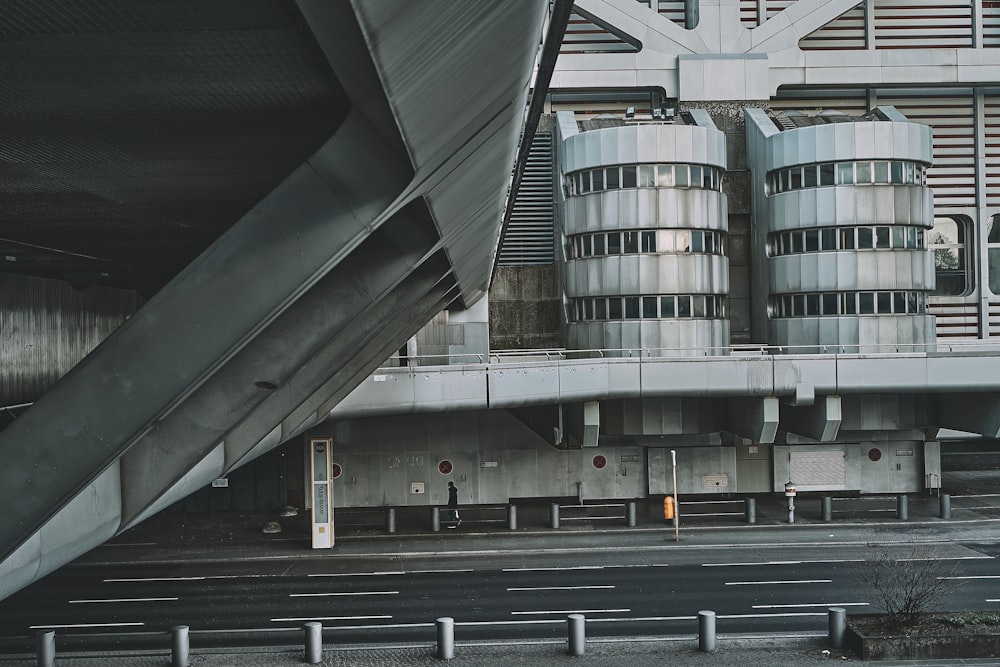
x=748 y=13
x=672 y=10
x=588 y=35
x=991 y=23
x=958 y=320
x=529 y=237
x=847 y=31
x=991 y=132
x=921 y=24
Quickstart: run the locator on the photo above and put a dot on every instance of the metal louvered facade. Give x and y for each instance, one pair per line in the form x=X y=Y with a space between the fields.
x=584 y=35
x=529 y=237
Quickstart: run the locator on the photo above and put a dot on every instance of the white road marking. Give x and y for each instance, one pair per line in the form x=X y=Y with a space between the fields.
x=85 y=625
x=198 y=578
x=783 y=615
x=570 y=611
x=974 y=576
x=359 y=574
x=437 y=571
x=325 y=618
x=788 y=581
x=553 y=569
x=125 y=600
x=325 y=595
x=558 y=588
x=784 y=562
x=816 y=604
x=992 y=600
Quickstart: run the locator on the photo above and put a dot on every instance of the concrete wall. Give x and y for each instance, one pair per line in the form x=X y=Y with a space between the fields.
x=526 y=308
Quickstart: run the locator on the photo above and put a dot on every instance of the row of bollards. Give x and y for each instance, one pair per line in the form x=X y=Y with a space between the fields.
x=445 y=626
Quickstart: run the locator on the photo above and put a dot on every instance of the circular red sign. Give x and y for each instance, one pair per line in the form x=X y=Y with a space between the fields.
x=445 y=467
x=600 y=462
x=336 y=471
x=874 y=454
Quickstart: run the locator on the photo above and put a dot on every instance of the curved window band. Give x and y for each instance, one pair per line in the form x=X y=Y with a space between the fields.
x=838 y=304
x=645 y=241
x=647 y=307
x=828 y=239
x=861 y=172
x=630 y=176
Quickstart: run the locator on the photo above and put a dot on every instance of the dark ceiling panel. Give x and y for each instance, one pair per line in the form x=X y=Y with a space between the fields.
x=133 y=132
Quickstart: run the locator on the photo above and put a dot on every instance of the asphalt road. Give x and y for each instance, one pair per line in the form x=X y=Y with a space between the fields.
x=638 y=587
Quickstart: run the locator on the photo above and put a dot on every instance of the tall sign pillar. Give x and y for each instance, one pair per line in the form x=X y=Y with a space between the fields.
x=322 y=493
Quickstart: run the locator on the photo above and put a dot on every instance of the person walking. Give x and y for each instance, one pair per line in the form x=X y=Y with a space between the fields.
x=456 y=520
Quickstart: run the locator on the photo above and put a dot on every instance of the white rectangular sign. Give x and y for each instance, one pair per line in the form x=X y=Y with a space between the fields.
x=322 y=493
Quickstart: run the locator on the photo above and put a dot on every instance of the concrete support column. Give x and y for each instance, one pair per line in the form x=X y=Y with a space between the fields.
x=630 y=514
x=902 y=507
x=945 y=505
x=445 y=638
x=45 y=643
x=827 y=509
x=180 y=647
x=706 y=631
x=838 y=626
x=511 y=516
x=577 y=633
x=435 y=520
x=390 y=520
x=750 y=510
x=554 y=515
x=314 y=642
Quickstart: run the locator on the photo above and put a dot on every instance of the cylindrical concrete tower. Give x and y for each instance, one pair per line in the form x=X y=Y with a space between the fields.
x=840 y=213
x=644 y=223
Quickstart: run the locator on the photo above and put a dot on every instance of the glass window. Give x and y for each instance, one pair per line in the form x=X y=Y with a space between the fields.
x=798 y=304
x=588 y=248
x=682 y=237
x=585 y=187
x=866 y=303
x=614 y=308
x=847 y=238
x=845 y=173
x=684 y=306
x=809 y=173
x=786 y=305
x=697 y=241
x=614 y=243
x=681 y=175
x=947 y=242
x=786 y=179
x=899 y=302
x=911 y=302
x=598 y=175
x=826 y=174
x=599 y=244
x=667 y=308
x=993 y=253
x=710 y=242
x=909 y=175
x=631 y=308
x=812 y=304
x=881 y=172
x=649 y=307
x=612 y=178
x=665 y=176
x=648 y=241
x=695 y=176
x=881 y=237
x=588 y=309
x=865 y=238
x=812 y=240
x=896 y=172
x=830 y=303
x=863 y=172
x=647 y=176
x=631 y=243
x=796 y=241
x=828 y=239
x=665 y=240
x=884 y=302
x=898 y=240
x=849 y=304
x=796 y=173
x=600 y=309
x=708 y=178
x=628 y=177
x=911 y=237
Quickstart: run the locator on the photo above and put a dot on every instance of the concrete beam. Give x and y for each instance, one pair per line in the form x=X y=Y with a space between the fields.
x=819 y=421
x=975 y=413
x=753 y=418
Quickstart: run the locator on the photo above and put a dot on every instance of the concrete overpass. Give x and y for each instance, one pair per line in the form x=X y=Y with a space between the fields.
x=342 y=169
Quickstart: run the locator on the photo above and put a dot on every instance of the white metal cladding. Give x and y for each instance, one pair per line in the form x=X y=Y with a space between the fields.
x=818 y=470
x=876 y=139
x=854 y=271
x=529 y=238
x=646 y=208
x=646 y=144
x=852 y=205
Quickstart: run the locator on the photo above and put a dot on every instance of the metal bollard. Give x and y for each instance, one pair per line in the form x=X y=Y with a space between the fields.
x=838 y=626
x=314 y=642
x=511 y=516
x=445 y=638
x=630 y=514
x=435 y=520
x=45 y=642
x=554 y=515
x=827 y=509
x=945 y=502
x=750 y=510
x=902 y=507
x=706 y=631
x=577 y=633
x=390 y=520
x=180 y=646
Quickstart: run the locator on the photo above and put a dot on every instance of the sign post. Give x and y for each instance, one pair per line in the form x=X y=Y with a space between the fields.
x=322 y=493
x=677 y=505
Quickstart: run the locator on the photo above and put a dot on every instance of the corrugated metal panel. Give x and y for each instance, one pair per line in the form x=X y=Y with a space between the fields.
x=816 y=471
x=847 y=31
x=748 y=13
x=955 y=320
x=991 y=23
x=46 y=328
x=584 y=35
x=529 y=237
x=994 y=318
x=921 y=24
x=671 y=9
x=991 y=132
x=951 y=113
